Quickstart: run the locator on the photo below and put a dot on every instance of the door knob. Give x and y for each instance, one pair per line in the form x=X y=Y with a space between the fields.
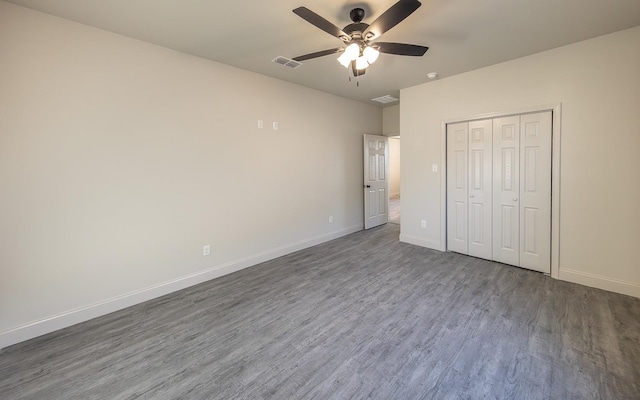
x=368 y=186
x=471 y=196
x=515 y=199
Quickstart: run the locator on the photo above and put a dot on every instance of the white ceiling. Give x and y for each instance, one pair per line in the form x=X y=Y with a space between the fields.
x=462 y=34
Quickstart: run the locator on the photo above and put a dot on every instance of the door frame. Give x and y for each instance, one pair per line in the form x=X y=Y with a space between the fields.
x=556 y=119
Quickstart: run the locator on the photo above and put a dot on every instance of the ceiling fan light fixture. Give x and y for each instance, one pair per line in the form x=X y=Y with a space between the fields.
x=370 y=54
x=361 y=63
x=359 y=52
x=345 y=60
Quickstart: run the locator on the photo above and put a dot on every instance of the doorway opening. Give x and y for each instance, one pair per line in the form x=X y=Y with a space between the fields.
x=394 y=180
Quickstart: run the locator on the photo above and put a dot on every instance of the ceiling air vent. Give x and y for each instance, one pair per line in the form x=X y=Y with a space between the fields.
x=287 y=62
x=385 y=99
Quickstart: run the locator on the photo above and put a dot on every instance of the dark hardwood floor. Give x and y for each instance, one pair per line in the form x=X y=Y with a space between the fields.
x=360 y=317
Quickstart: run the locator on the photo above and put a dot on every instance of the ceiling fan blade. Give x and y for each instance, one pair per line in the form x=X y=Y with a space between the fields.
x=319 y=22
x=401 y=49
x=317 y=54
x=392 y=17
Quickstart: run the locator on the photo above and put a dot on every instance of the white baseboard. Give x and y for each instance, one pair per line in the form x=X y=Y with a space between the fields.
x=81 y=314
x=420 y=242
x=600 y=282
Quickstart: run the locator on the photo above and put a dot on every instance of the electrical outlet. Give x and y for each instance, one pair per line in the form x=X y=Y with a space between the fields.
x=275 y=125
x=423 y=223
x=331 y=219
x=434 y=168
x=260 y=124
x=206 y=250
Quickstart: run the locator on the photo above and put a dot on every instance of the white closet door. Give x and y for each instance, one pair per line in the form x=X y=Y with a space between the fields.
x=506 y=190
x=480 y=194
x=535 y=192
x=457 y=155
x=499 y=189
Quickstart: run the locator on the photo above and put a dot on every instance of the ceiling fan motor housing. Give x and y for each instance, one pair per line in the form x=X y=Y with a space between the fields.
x=355 y=29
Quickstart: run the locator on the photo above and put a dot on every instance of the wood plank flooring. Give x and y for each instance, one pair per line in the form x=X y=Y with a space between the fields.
x=360 y=317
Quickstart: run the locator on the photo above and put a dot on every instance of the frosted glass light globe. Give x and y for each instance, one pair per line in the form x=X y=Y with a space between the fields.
x=353 y=50
x=370 y=54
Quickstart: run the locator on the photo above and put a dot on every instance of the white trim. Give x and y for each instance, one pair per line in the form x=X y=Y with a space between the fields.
x=556 y=124
x=600 y=282
x=508 y=113
x=443 y=185
x=419 y=241
x=81 y=314
x=555 y=174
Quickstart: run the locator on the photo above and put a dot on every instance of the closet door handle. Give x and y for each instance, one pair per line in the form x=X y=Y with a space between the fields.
x=515 y=199
x=471 y=196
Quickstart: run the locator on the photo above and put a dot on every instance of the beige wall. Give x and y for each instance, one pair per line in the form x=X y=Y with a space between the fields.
x=598 y=84
x=391 y=127
x=391 y=120
x=119 y=160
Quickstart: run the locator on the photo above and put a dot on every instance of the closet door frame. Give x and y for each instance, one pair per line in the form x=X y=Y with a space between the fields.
x=556 y=117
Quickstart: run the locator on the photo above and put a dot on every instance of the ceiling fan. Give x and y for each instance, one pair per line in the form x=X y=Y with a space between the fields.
x=360 y=49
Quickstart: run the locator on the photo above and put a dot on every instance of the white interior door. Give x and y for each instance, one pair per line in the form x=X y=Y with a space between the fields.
x=457 y=175
x=480 y=193
x=376 y=183
x=535 y=192
x=506 y=190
